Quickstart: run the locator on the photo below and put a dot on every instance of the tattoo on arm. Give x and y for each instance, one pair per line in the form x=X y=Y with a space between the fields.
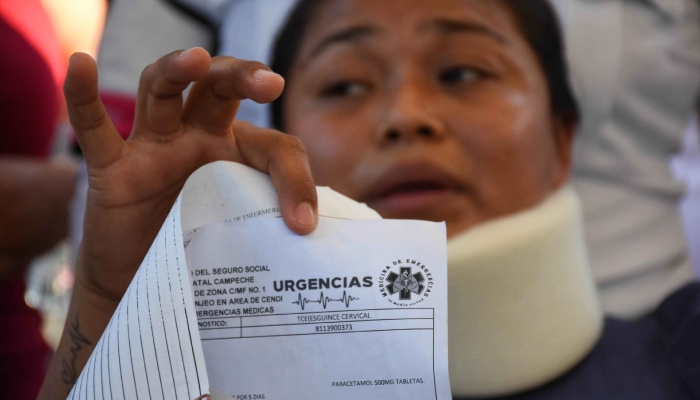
x=69 y=375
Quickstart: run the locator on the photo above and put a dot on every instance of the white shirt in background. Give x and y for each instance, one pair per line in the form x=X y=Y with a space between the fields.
x=635 y=66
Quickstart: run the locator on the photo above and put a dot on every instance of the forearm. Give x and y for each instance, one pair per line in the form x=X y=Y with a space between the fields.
x=87 y=318
x=34 y=201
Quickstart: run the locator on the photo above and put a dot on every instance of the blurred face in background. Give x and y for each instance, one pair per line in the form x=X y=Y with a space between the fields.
x=434 y=110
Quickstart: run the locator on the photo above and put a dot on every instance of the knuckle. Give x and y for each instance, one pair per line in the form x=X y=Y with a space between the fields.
x=304 y=183
x=293 y=145
x=78 y=99
x=86 y=120
x=243 y=69
x=155 y=79
x=252 y=66
x=300 y=187
x=222 y=59
x=147 y=75
x=235 y=68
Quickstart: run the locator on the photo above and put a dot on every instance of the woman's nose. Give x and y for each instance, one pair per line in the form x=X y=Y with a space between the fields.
x=410 y=116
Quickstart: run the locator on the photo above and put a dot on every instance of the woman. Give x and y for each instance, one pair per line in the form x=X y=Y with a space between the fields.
x=454 y=110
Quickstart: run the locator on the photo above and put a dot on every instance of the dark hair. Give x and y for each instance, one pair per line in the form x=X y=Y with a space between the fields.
x=536 y=19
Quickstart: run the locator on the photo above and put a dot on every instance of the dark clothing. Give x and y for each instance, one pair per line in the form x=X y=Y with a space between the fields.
x=28 y=111
x=24 y=355
x=653 y=358
x=28 y=97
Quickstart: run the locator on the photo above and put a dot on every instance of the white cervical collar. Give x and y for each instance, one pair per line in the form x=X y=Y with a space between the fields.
x=522 y=302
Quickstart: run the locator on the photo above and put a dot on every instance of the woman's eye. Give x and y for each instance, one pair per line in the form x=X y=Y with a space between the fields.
x=460 y=75
x=341 y=89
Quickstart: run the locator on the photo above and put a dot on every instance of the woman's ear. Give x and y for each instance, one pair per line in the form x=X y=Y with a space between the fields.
x=564 y=130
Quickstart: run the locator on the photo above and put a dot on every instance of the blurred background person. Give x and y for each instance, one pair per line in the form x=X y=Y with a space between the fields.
x=35 y=190
x=34 y=193
x=635 y=66
x=244 y=29
x=134 y=31
x=137 y=29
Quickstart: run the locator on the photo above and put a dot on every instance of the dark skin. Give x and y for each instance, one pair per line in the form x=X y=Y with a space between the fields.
x=427 y=110
x=134 y=183
x=467 y=113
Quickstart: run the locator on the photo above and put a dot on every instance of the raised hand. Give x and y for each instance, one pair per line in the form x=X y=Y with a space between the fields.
x=134 y=183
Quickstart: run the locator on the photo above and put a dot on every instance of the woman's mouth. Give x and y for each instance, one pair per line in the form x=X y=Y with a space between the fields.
x=410 y=197
x=412 y=191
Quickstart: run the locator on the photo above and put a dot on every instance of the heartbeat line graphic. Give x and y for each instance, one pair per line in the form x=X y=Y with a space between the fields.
x=324 y=300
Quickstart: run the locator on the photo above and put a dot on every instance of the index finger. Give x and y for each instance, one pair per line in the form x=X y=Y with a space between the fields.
x=159 y=99
x=213 y=101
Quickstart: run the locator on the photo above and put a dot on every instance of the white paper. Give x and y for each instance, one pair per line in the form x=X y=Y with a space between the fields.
x=289 y=317
x=153 y=347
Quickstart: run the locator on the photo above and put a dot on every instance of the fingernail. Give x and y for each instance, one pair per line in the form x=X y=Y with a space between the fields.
x=304 y=214
x=262 y=74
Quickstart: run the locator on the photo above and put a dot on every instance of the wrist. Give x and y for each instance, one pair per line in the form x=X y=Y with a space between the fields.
x=102 y=298
x=87 y=318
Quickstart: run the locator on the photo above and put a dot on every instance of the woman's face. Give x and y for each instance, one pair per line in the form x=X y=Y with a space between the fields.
x=434 y=110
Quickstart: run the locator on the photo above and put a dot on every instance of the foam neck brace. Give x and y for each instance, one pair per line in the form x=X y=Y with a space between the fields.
x=523 y=307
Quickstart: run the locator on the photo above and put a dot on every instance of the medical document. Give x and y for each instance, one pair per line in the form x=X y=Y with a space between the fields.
x=356 y=309
x=230 y=304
